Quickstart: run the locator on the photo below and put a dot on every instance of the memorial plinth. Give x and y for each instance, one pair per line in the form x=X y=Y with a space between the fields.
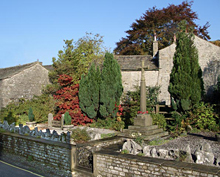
x=143 y=120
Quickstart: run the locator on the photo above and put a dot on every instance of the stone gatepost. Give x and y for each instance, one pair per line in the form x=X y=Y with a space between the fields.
x=50 y=119
x=143 y=119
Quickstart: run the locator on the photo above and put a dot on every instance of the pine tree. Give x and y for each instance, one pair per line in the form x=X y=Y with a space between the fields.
x=89 y=91
x=186 y=85
x=111 y=86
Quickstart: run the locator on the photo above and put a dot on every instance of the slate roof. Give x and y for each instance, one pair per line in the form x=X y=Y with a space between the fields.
x=133 y=62
x=11 y=71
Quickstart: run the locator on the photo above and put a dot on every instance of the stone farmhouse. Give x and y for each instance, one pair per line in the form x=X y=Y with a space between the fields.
x=23 y=81
x=27 y=80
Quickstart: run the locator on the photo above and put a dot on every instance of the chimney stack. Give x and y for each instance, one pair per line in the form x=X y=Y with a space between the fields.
x=155 y=45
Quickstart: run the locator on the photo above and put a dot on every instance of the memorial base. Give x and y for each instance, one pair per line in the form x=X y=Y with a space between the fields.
x=143 y=120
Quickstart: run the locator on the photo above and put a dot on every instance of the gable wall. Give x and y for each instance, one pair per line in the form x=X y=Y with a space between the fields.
x=25 y=84
x=207 y=52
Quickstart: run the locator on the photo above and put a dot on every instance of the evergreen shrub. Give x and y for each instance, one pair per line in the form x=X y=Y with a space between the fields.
x=30 y=115
x=67 y=118
x=159 y=119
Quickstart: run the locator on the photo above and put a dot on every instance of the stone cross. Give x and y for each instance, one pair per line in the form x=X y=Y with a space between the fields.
x=143 y=89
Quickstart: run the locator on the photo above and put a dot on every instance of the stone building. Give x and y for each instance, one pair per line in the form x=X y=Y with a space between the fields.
x=27 y=80
x=159 y=66
x=23 y=81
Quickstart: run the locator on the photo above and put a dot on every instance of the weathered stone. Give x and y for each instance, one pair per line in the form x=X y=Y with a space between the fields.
x=63 y=137
x=55 y=136
x=50 y=119
x=21 y=129
x=16 y=130
x=26 y=129
x=5 y=125
x=174 y=153
x=132 y=147
x=94 y=136
x=163 y=153
x=68 y=137
x=47 y=134
x=153 y=152
x=146 y=150
x=188 y=157
x=204 y=154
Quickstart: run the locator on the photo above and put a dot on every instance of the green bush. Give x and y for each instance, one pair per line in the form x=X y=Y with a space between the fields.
x=67 y=118
x=80 y=135
x=30 y=115
x=159 y=119
x=109 y=123
x=10 y=117
x=41 y=105
x=203 y=117
x=177 y=125
x=22 y=119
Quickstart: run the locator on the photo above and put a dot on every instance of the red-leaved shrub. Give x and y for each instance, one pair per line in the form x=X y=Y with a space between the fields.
x=68 y=100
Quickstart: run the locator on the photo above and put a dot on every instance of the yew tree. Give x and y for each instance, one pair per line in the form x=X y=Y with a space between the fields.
x=89 y=91
x=162 y=22
x=186 y=84
x=110 y=87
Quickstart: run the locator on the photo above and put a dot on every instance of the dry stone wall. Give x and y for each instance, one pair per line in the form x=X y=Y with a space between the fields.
x=55 y=155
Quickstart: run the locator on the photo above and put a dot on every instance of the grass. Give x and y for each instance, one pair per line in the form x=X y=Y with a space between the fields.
x=2 y=130
x=108 y=135
x=125 y=151
x=159 y=141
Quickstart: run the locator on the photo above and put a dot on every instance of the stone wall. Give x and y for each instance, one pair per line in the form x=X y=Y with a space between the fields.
x=56 y=156
x=115 y=164
x=24 y=84
x=130 y=79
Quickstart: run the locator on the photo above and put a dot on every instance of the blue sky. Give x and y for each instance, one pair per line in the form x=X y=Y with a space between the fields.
x=35 y=29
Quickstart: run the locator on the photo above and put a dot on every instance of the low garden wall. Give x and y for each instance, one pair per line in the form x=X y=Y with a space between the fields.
x=89 y=159
x=107 y=163
x=56 y=156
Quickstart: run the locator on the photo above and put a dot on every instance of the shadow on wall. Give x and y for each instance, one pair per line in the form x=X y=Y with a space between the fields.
x=210 y=78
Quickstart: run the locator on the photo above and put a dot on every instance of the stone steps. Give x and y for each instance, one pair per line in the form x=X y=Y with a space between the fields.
x=148 y=132
x=143 y=132
x=155 y=136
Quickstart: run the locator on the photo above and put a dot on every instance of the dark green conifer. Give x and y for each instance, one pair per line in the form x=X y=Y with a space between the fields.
x=111 y=86
x=30 y=115
x=186 y=85
x=89 y=91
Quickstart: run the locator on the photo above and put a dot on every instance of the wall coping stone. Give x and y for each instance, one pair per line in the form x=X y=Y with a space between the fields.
x=44 y=141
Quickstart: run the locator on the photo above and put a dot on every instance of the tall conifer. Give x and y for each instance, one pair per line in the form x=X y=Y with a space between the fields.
x=186 y=85
x=111 y=86
x=89 y=91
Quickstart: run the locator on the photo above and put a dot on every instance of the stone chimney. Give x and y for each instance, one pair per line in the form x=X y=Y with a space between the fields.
x=155 y=45
x=174 y=38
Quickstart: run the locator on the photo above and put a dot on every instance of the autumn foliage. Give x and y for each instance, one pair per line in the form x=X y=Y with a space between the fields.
x=162 y=22
x=68 y=100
